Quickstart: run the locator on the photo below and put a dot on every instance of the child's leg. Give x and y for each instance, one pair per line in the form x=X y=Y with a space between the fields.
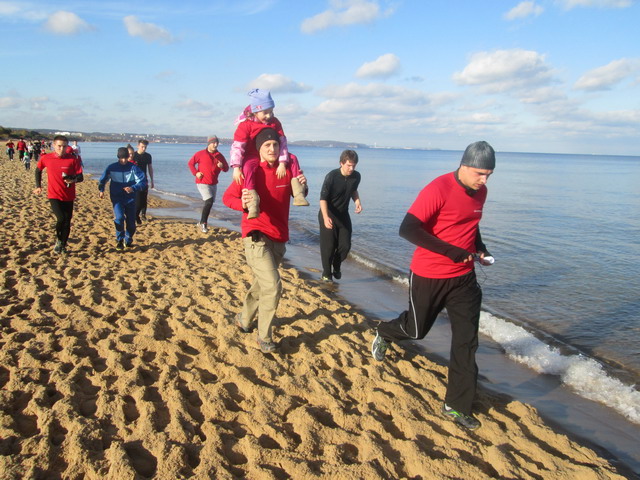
x=294 y=166
x=299 y=199
x=249 y=168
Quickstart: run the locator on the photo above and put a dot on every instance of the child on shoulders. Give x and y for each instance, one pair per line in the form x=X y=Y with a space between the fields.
x=244 y=156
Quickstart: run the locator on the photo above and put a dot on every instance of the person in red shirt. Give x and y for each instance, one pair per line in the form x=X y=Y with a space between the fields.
x=21 y=147
x=443 y=224
x=206 y=165
x=10 y=149
x=64 y=170
x=264 y=237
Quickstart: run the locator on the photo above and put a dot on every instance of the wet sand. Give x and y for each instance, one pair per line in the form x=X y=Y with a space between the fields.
x=125 y=365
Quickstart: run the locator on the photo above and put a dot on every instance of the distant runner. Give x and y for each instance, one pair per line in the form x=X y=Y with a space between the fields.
x=206 y=165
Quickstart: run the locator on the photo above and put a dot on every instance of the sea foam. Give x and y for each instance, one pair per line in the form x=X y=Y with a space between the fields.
x=584 y=375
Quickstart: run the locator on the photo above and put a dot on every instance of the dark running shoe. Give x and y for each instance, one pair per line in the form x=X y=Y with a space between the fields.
x=128 y=244
x=120 y=246
x=138 y=221
x=466 y=421
x=379 y=347
x=337 y=274
x=266 y=347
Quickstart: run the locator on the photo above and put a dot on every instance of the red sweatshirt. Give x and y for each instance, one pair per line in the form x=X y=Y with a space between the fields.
x=275 y=199
x=207 y=164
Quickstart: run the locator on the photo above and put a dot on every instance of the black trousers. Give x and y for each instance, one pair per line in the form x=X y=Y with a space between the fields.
x=206 y=209
x=63 y=212
x=462 y=297
x=335 y=243
x=141 y=202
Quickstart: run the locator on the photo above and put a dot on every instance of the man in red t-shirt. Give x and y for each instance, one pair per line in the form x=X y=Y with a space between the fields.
x=21 y=147
x=64 y=170
x=443 y=224
x=206 y=165
x=264 y=237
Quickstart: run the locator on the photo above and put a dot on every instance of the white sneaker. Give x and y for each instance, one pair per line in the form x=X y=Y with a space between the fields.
x=203 y=227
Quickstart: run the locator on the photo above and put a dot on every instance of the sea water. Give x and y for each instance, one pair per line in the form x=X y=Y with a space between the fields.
x=563 y=296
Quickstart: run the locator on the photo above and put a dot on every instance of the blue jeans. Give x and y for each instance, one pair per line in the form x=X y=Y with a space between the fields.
x=125 y=219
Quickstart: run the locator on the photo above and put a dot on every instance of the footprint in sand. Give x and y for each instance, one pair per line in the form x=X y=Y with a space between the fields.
x=130 y=410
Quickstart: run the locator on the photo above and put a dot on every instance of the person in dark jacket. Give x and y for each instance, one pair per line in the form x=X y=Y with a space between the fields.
x=126 y=180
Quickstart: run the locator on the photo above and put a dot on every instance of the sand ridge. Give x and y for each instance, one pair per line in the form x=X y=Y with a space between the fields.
x=127 y=365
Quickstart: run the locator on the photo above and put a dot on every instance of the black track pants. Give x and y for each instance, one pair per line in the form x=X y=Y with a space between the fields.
x=462 y=297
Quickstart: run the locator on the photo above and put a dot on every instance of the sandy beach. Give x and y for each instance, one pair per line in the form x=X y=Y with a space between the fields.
x=124 y=365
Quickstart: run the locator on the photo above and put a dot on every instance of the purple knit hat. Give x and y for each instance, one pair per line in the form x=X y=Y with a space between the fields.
x=260 y=100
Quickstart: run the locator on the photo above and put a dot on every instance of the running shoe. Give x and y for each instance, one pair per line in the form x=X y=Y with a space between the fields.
x=266 y=347
x=326 y=279
x=379 y=347
x=239 y=324
x=58 y=247
x=138 y=221
x=337 y=274
x=128 y=244
x=466 y=421
x=120 y=245
x=203 y=227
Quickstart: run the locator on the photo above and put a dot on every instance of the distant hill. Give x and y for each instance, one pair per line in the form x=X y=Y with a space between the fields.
x=133 y=138
x=328 y=144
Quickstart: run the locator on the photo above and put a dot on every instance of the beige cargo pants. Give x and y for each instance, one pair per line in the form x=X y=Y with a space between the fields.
x=264 y=258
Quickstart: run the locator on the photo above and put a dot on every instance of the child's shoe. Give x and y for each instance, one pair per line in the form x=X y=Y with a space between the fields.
x=299 y=199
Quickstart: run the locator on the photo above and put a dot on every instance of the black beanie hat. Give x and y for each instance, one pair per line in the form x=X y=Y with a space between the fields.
x=479 y=155
x=123 y=152
x=264 y=135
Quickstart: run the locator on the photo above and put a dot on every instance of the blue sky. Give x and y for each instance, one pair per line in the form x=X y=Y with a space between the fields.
x=557 y=76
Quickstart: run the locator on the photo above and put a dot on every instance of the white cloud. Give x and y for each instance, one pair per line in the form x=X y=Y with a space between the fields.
x=9 y=102
x=523 y=10
x=342 y=13
x=166 y=75
x=147 y=31
x=39 y=103
x=384 y=66
x=9 y=8
x=252 y=7
x=541 y=95
x=66 y=23
x=603 y=78
x=569 y=4
x=375 y=99
x=505 y=70
x=279 y=83
x=196 y=109
x=21 y=11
